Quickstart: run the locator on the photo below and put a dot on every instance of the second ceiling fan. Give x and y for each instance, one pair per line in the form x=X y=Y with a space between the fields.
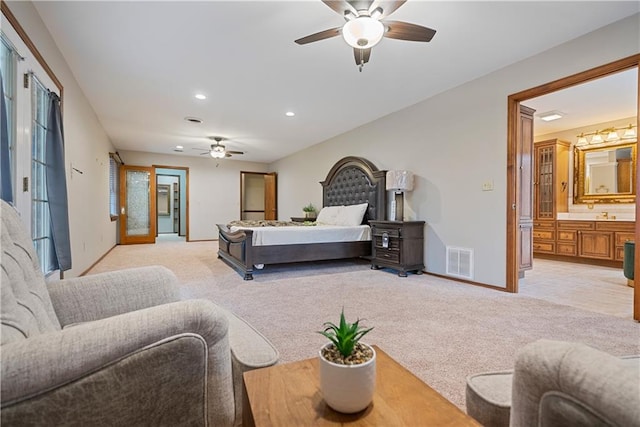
x=217 y=150
x=365 y=26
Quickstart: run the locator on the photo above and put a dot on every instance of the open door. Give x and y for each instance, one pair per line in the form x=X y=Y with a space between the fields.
x=137 y=204
x=270 y=191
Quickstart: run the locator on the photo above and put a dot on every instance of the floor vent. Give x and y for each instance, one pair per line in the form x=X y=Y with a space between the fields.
x=460 y=262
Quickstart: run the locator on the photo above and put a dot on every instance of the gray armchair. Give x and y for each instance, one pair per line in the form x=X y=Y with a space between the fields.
x=561 y=384
x=117 y=348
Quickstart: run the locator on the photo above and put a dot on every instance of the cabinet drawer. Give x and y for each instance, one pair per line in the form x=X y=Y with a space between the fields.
x=623 y=237
x=625 y=226
x=393 y=243
x=544 y=224
x=391 y=231
x=567 y=249
x=543 y=234
x=576 y=225
x=566 y=236
x=544 y=247
x=387 y=255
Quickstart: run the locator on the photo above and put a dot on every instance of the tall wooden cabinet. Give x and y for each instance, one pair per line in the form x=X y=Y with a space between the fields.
x=525 y=186
x=550 y=191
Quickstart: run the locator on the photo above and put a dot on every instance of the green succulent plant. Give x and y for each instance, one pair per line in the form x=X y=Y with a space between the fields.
x=309 y=208
x=346 y=336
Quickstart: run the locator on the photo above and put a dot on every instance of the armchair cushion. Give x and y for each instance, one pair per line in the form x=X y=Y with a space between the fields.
x=97 y=296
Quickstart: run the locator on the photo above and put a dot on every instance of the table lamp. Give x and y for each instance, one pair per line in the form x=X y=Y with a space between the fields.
x=398 y=181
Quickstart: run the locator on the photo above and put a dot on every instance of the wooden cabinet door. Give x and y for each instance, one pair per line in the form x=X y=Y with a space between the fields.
x=525 y=185
x=596 y=244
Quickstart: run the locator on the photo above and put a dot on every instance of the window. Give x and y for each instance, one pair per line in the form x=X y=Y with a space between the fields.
x=40 y=217
x=27 y=114
x=114 y=187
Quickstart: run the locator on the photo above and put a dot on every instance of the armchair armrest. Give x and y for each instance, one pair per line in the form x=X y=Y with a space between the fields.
x=560 y=383
x=89 y=347
x=93 y=297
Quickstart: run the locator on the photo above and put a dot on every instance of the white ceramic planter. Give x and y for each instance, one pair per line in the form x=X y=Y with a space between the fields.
x=347 y=388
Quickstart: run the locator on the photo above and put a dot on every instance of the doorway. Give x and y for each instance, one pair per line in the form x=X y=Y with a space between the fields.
x=258 y=195
x=513 y=192
x=174 y=219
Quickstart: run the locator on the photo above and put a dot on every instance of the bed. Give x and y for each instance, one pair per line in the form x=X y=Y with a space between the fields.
x=351 y=181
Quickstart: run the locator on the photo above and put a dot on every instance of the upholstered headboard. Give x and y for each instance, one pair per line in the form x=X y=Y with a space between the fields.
x=354 y=180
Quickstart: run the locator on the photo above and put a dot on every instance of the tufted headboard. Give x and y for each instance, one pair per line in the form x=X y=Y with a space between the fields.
x=354 y=180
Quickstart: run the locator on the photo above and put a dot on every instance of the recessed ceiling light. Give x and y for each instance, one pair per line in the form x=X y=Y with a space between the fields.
x=178 y=148
x=289 y=114
x=193 y=119
x=201 y=96
x=551 y=115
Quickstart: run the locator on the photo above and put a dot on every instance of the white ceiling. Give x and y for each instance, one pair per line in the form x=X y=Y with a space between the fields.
x=141 y=63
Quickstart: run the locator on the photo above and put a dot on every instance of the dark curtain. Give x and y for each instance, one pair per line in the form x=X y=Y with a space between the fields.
x=57 y=186
x=6 y=192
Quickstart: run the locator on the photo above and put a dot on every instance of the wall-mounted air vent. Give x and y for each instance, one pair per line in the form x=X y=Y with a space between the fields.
x=460 y=262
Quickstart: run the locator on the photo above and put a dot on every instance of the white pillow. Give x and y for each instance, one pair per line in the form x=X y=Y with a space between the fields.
x=352 y=215
x=328 y=215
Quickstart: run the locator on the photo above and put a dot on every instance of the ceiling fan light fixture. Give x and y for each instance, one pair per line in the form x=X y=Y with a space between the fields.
x=217 y=151
x=363 y=32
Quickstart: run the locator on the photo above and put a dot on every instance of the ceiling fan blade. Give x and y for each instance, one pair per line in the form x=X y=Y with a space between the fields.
x=406 y=31
x=234 y=152
x=204 y=154
x=319 y=36
x=388 y=7
x=340 y=6
x=361 y=55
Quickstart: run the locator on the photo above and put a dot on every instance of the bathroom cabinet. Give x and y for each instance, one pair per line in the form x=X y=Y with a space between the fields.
x=580 y=241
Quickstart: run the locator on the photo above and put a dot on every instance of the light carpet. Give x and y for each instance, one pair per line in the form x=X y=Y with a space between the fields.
x=439 y=329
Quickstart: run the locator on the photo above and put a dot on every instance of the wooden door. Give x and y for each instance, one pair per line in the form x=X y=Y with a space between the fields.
x=270 y=196
x=525 y=196
x=137 y=204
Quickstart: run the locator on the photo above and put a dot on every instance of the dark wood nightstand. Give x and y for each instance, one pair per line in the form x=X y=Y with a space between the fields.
x=398 y=245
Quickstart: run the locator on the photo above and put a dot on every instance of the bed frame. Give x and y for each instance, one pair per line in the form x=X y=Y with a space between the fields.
x=352 y=180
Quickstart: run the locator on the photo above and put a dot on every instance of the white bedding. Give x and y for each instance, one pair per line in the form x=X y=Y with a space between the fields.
x=267 y=236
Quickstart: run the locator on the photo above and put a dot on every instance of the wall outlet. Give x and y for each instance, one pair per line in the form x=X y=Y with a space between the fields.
x=487 y=185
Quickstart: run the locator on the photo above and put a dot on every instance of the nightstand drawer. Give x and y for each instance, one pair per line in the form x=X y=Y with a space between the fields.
x=392 y=243
x=387 y=255
x=377 y=231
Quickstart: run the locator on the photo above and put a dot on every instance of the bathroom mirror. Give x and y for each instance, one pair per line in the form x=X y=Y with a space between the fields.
x=605 y=174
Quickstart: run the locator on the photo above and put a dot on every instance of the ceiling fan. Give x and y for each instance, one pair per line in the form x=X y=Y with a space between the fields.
x=365 y=26
x=217 y=150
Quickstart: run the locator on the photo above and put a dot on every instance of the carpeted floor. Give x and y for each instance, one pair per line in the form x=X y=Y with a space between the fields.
x=441 y=330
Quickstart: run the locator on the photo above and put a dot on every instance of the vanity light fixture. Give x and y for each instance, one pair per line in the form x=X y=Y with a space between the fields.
x=607 y=135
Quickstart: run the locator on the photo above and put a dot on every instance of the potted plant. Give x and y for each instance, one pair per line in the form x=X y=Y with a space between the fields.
x=309 y=211
x=347 y=367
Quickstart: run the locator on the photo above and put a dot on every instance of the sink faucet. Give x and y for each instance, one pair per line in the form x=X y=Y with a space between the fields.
x=605 y=215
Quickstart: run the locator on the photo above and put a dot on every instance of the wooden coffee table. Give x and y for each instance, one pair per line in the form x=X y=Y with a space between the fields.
x=289 y=395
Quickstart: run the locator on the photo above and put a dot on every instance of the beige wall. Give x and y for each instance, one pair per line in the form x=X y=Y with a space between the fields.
x=214 y=192
x=453 y=142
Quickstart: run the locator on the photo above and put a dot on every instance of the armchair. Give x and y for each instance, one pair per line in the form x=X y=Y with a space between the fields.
x=557 y=383
x=117 y=348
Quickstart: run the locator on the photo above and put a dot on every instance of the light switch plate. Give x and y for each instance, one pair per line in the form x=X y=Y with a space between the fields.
x=487 y=185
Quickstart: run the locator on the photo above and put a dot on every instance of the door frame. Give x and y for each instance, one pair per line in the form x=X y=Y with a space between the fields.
x=513 y=106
